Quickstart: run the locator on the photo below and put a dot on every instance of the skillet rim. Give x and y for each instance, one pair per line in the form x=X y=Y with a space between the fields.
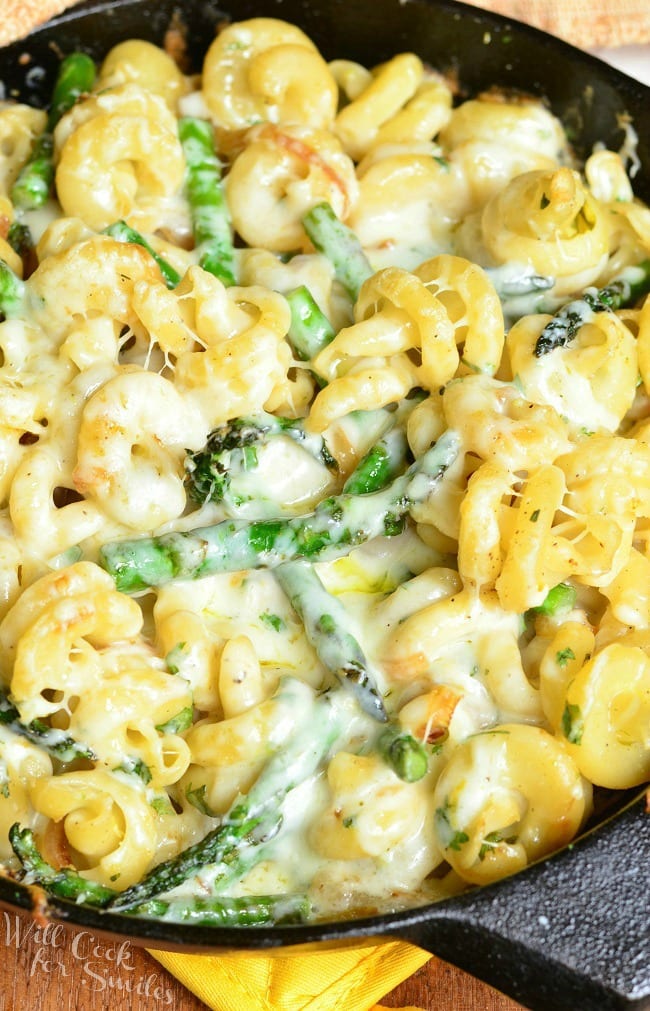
x=161 y=934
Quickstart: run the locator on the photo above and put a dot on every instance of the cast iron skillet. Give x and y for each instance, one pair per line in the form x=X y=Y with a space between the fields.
x=573 y=931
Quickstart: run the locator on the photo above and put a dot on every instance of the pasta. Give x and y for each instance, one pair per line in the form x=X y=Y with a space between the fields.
x=324 y=485
x=267 y=70
x=119 y=158
x=278 y=176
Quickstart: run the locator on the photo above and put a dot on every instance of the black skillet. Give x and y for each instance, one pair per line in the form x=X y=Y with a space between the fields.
x=571 y=933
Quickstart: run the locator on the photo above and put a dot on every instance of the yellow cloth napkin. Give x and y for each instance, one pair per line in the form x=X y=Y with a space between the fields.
x=344 y=979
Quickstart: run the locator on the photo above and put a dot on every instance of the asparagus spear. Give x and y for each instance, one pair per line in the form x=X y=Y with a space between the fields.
x=242 y=911
x=254 y=818
x=381 y=464
x=327 y=627
x=624 y=290
x=124 y=233
x=12 y=291
x=211 y=472
x=76 y=76
x=55 y=742
x=521 y=290
x=324 y=616
x=66 y=883
x=248 y=910
x=336 y=525
x=310 y=329
x=21 y=241
x=210 y=216
x=513 y=280
x=559 y=599
x=340 y=245
x=220 y=846
x=233 y=449
x=406 y=756
x=33 y=185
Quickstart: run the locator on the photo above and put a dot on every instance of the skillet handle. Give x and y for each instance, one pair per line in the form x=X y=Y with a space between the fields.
x=572 y=932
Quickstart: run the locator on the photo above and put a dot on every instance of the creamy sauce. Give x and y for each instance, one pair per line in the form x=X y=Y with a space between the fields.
x=413 y=727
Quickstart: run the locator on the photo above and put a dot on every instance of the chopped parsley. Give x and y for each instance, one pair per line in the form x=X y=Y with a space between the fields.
x=162 y=804
x=327 y=624
x=563 y=656
x=457 y=840
x=573 y=724
x=452 y=839
x=136 y=767
x=175 y=657
x=181 y=721
x=273 y=621
x=197 y=798
x=491 y=841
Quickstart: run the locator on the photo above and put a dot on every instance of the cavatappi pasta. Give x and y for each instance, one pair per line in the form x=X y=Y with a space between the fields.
x=325 y=611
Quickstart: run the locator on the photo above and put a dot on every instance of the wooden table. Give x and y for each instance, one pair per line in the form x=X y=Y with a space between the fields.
x=67 y=970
